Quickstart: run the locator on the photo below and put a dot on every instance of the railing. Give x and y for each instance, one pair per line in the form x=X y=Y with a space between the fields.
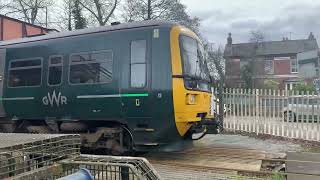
x=44 y=156
x=20 y=153
x=279 y=113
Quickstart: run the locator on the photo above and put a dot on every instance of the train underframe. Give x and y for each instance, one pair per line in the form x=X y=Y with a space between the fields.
x=107 y=137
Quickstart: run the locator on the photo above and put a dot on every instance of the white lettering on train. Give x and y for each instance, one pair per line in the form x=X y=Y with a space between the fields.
x=54 y=99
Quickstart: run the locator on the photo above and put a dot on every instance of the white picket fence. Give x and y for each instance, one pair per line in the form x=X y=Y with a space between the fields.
x=279 y=113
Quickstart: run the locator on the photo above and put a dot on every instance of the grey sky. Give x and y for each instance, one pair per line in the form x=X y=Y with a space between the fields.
x=273 y=17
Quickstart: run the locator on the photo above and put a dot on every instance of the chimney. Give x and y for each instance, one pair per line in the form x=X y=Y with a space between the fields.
x=311 y=36
x=229 y=39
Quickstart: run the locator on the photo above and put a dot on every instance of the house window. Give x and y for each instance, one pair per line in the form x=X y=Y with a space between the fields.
x=23 y=73
x=268 y=67
x=138 y=66
x=294 y=65
x=91 y=67
x=291 y=85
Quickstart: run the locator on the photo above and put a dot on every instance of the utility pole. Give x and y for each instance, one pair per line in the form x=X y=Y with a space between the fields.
x=149 y=9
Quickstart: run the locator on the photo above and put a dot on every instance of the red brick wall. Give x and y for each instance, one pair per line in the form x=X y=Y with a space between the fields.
x=32 y=30
x=11 y=29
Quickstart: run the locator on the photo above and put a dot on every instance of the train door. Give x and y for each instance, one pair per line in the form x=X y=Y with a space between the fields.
x=137 y=97
x=53 y=97
x=2 y=66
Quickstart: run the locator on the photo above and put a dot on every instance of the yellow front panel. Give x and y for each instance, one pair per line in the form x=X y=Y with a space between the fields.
x=187 y=103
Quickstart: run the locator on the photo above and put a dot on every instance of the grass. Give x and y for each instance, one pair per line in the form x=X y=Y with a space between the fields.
x=277 y=176
x=314 y=149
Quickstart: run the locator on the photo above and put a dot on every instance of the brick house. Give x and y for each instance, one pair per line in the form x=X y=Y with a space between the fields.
x=271 y=60
x=11 y=28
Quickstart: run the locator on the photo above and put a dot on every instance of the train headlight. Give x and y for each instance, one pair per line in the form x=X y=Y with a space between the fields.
x=191 y=99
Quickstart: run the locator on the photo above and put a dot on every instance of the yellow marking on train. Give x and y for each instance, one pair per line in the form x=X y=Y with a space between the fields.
x=185 y=112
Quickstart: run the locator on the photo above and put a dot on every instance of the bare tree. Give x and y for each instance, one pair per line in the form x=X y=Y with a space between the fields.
x=256 y=36
x=216 y=66
x=28 y=10
x=142 y=9
x=248 y=71
x=101 y=10
x=4 y=4
x=172 y=10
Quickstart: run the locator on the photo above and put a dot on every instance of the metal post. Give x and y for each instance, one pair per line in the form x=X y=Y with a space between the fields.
x=124 y=173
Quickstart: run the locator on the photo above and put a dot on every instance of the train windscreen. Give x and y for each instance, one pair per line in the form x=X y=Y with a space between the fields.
x=195 y=70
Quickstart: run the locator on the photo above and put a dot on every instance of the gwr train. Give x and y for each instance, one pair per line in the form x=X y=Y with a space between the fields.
x=123 y=87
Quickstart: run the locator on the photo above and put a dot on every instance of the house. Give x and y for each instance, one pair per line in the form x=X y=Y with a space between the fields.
x=309 y=67
x=270 y=60
x=11 y=28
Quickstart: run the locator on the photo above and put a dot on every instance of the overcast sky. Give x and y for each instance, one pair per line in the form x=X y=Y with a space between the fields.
x=276 y=18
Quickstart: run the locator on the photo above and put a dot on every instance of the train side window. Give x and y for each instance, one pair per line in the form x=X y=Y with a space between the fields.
x=25 y=72
x=91 y=67
x=138 y=64
x=55 y=70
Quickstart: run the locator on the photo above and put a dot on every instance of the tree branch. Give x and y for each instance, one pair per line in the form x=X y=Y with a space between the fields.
x=90 y=10
x=111 y=12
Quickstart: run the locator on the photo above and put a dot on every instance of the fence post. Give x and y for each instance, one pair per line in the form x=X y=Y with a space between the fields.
x=301 y=104
x=241 y=109
x=317 y=115
x=238 y=109
x=250 y=109
x=265 y=111
x=234 y=109
x=278 y=112
x=314 y=100
x=257 y=112
x=245 y=110
x=269 y=111
x=307 y=103
x=273 y=112
x=282 y=113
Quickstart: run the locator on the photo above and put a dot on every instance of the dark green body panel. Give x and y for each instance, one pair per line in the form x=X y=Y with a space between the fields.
x=155 y=110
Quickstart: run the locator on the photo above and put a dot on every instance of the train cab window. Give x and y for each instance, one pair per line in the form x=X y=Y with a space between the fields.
x=55 y=70
x=24 y=73
x=91 y=67
x=138 y=63
x=195 y=70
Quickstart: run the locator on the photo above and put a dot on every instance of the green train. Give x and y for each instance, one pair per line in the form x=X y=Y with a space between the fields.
x=134 y=86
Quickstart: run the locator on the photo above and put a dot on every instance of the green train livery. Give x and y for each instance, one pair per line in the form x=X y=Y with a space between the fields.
x=126 y=87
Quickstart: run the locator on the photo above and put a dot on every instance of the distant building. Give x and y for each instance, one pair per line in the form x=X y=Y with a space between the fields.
x=271 y=60
x=309 y=67
x=11 y=28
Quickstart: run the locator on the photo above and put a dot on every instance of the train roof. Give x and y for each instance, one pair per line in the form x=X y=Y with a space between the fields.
x=124 y=26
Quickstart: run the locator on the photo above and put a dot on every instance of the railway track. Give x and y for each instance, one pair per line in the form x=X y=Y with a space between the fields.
x=221 y=160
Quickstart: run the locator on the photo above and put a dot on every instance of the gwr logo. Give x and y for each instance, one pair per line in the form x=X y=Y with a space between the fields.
x=54 y=99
